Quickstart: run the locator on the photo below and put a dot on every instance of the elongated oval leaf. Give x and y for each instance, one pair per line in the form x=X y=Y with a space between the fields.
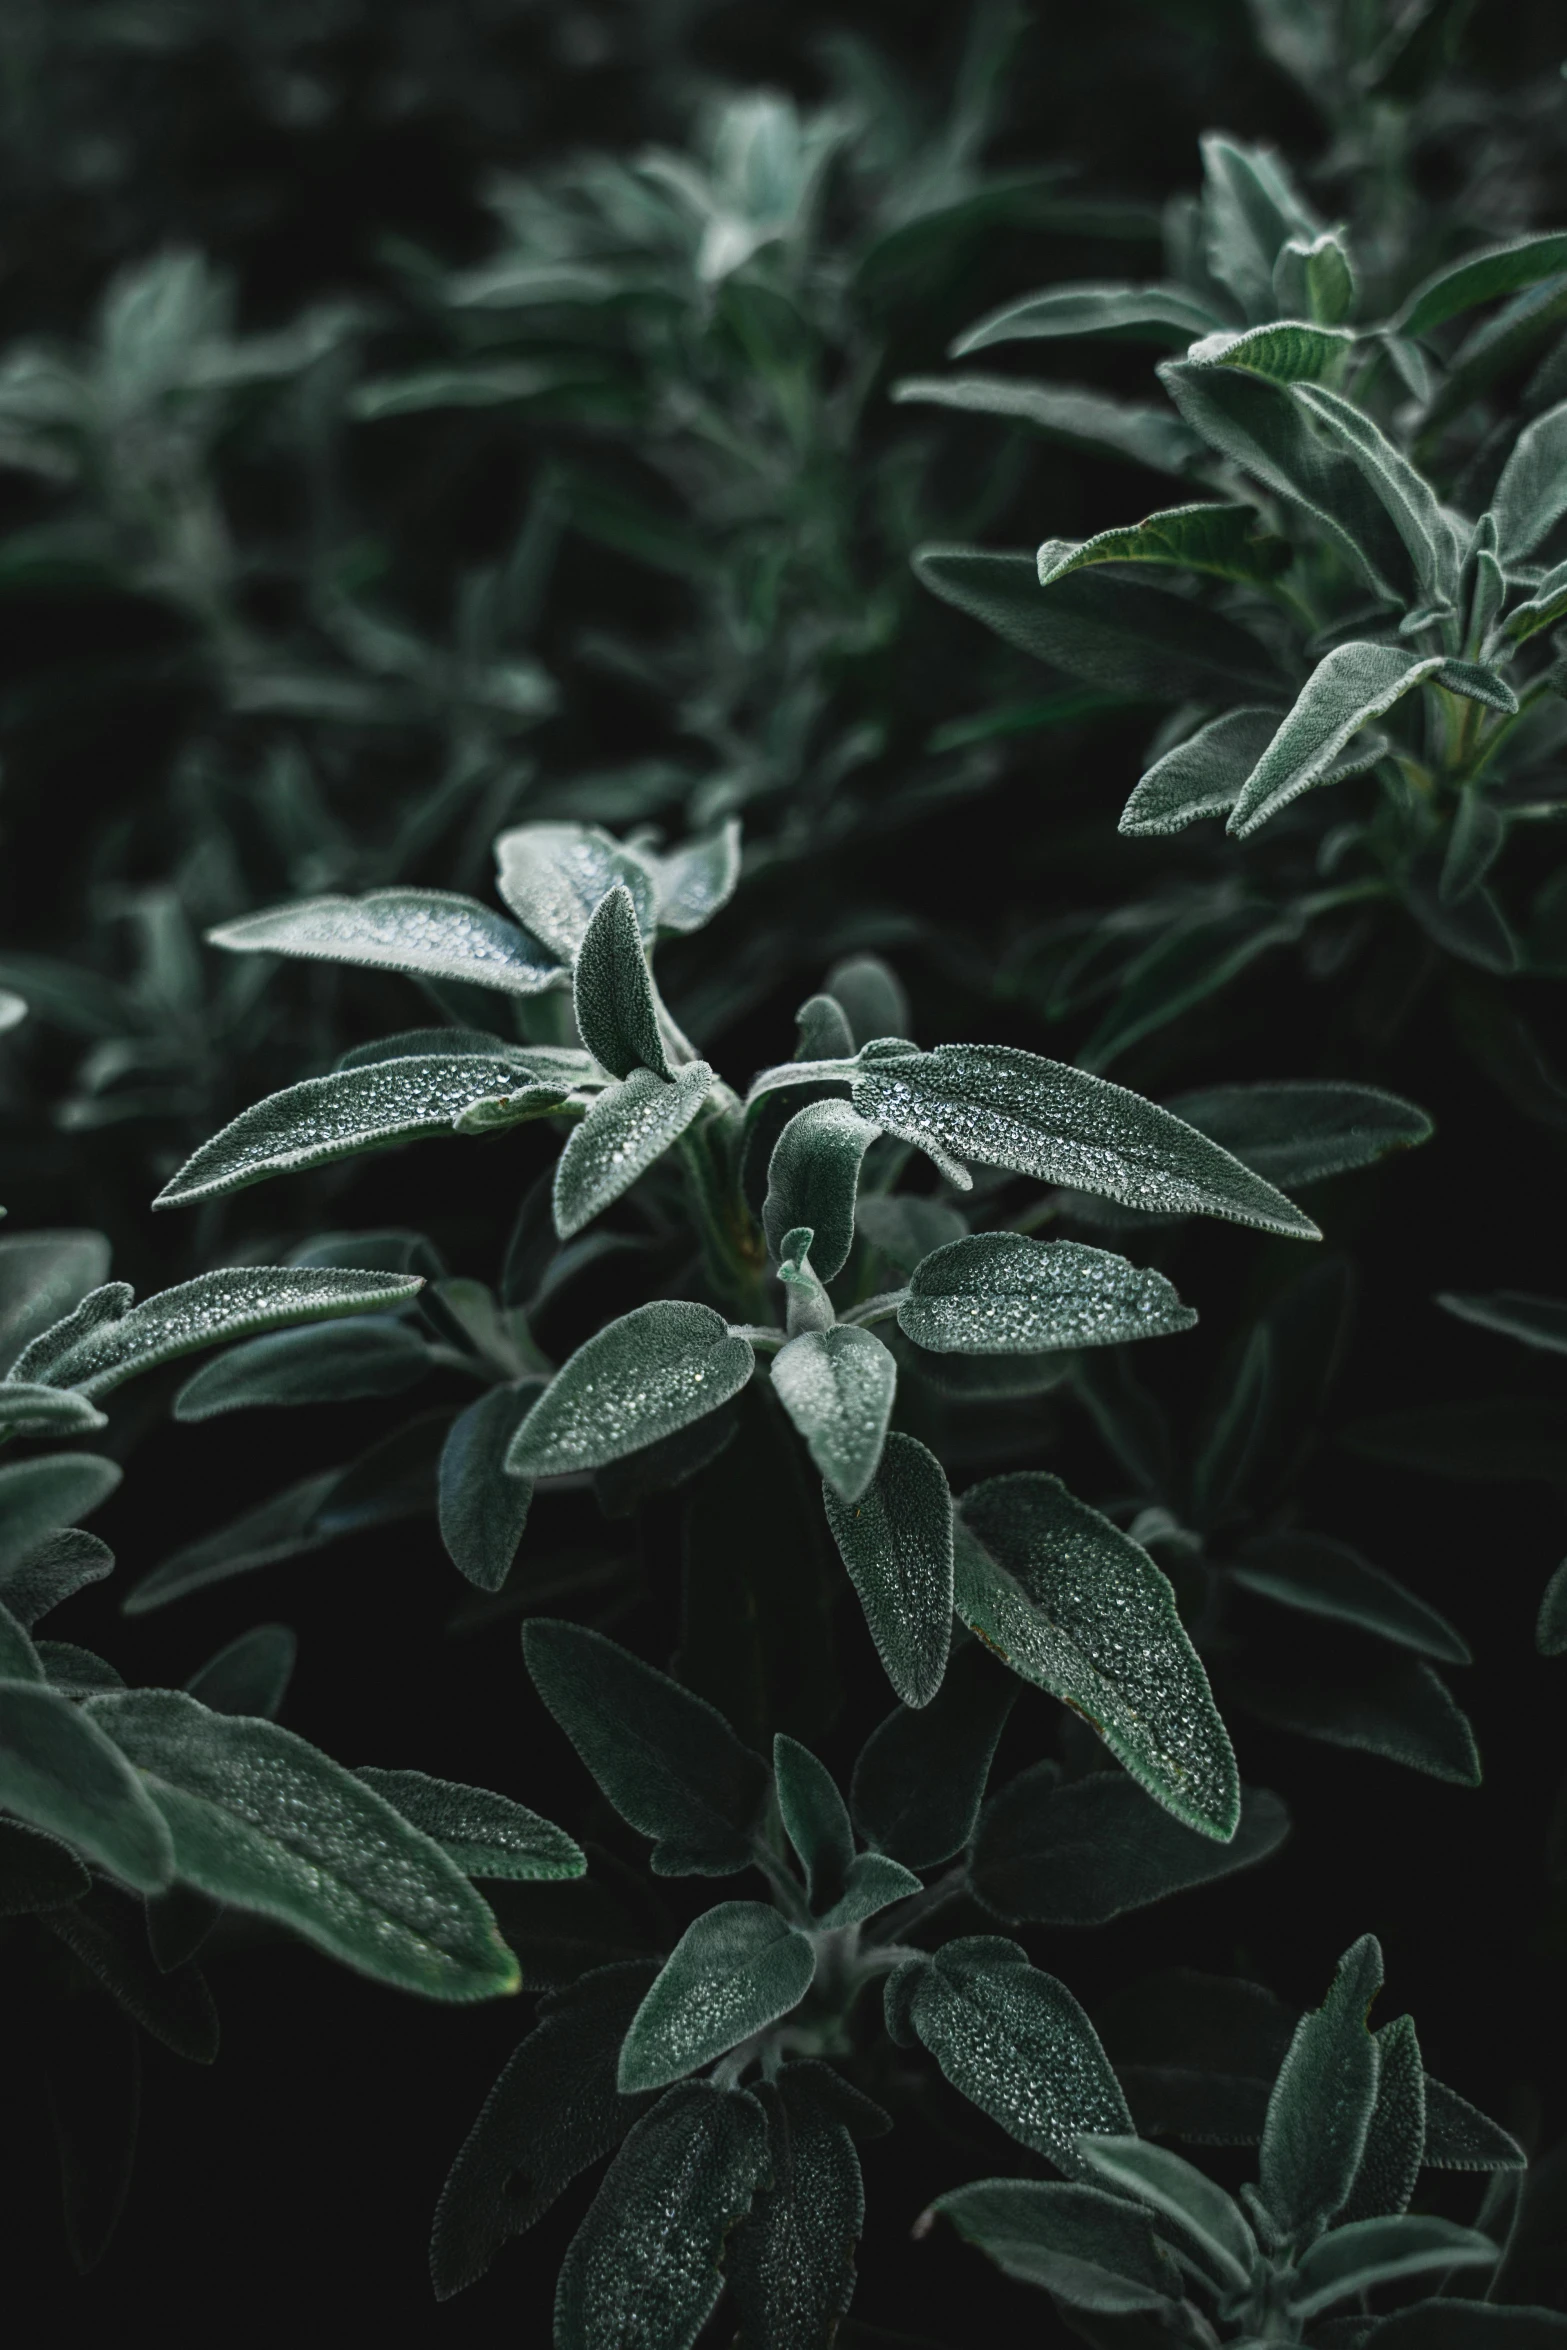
x=1326 y=1578
x=431 y=933
x=640 y=1378
x=486 y=1835
x=628 y=1127
x=1007 y=1108
x=44 y=1275
x=323 y=1363
x=1348 y=688
x=613 y=991
x=1228 y=541
x=55 y=1490
x=1300 y=1132
x=1074 y=1605
x=1002 y=1293
x=789 y=2265
x=815 y=1818
x=1322 y=2101
x=1285 y=351
x=60 y=1562
x=27 y=1409
x=1089 y=2249
x=1406 y=497
x=920 y=1776
x=1203 y=776
x=482 y=1507
x=812 y=1179
x=1396 y=2138
x=554 y=877
x=1082 y=1854
x=1481 y=277
x=1371 y=2252
x=1072 y=413
x=837 y=1387
x=896 y=1542
x=369 y=1108
x=261 y=1820
x=1205 y=2217
x=60 y=1772
x=249 y=1675
x=1401 y=1709
x=736 y=1969
x=1158 y=314
x=695 y=880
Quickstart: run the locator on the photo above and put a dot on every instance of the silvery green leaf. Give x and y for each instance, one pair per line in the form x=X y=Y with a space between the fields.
x=641 y=1377
x=872 y=998
x=906 y=1229
x=696 y=880
x=1075 y=1606
x=1202 y=776
x=896 y=1542
x=321 y=1363
x=1460 y=2137
x=873 y=1883
x=641 y=2272
x=1396 y=2137
x=1480 y=277
x=629 y=1126
x=1249 y=210
x=920 y=1776
x=1065 y=412
x=39 y=1495
x=482 y=1508
x=100 y=1306
x=1315 y=278
x=30 y=1410
x=1115 y=632
x=486 y=1835
x=1348 y=688
x=1157 y=314
x=837 y=1386
x=815 y=1818
x=613 y=990
x=60 y=1773
x=1287 y=351
x=232 y=1303
x=1204 y=2218
x=1538 y=1321
x=1007 y=1108
x=1541 y=610
x=1322 y=2101
x=1002 y=1293
x=430 y=933
x=812 y=1179
x=1091 y=2250
x=18 y=1656
x=1016 y=2043
x=352 y=1110
x=823 y=1029
x=1402 y=1710
x=1477 y=839
x=1325 y=1578
x=1081 y=1854
x=1477 y=681
x=75 y=1671
x=666 y=1759
x=554 y=877
x=738 y=1968
x=1371 y=2252
x=1227 y=541
x=553 y=2112
x=1407 y=497
x=60 y=1562
x=1298 y=1132
x=789 y=2265
x=260 y=1820
x=43 y=1276
x=249 y=1675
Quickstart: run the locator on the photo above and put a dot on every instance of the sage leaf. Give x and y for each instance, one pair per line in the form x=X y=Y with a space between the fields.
x=920 y=1777
x=666 y=1759
x=1550 y=1630
x=1348 y=688
x=1002 y=1293
x=323 y=1363
x=38 y=1496
x=1401 y=1710
x=1315 y=275
x=485 y=1835
x=812 y=1179
x=1207 y=2219
x=823 y=1029
x=1075 y=1606
x=1297 y=1133
x=735 y=1970
x=28 y=1409
x=1371 y=2252
x=1016 y=2043
x=553 y=2112
x=789 y=2265
x=837 y=1386
x=555 y=877
x=1072 y=413
x=1289 y=351
x=641 y=1377
x=1227 y=541
x=1480 y=277
x=906 y=1229
x=107 y=1934
x=641 y=2272
x=60 y=1773
x=44 y=1275
x=1322 y=2102
x=613 y=991
x=1460 y=2137
x=260 y=1820
x=815 y=1818
x=1007 y=1108
x=1396 y=2138
x=429 y=933
x=1326 y=1578
x=482 y=1507
x=1116 y=633
x=696 y=880
x=1159 y=314
x=1408 y=499
x=1091 y=2250
x=1082 y=1854
x=896 y=1542
x=18 y=1657
x=249 y=1675
x=1202 y=776
x=1538 y=1321
x=628 y=1127
x=872 y=998
x=373 y=1107
x=1249 y=209
x=37 y=1871
x=873 y=1883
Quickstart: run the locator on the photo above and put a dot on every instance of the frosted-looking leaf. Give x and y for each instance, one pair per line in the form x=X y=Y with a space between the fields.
x=234 y=1303
x=1202 y=776
x=1228 y=541
x=1007 y=1108
x=59 y=1771
x=628 y=1127
x=812 y=1178
x=1002 y=1293
x=641 y=1377
x=29 y=1410
x=42 y=1276
x=1091 y=2250
x=1075 y=1606
x=1322 y=2101
x=1349 y=686
x=738 y=1968
x=696 y=880
x=896 y=1542
x=365 y=1109
x=555 y=876
x=486 y=1835
x=429 y=933
x=837 y=1387
x=1157 y=314
x=613 y=991
x=1287 y=352
x=790 y=2263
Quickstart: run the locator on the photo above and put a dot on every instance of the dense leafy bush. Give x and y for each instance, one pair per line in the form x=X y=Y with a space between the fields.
x=503 y=672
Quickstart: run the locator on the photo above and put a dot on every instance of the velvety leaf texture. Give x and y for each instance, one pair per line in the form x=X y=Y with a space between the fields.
x=613 y=991
x=486 y=1835
x=59 y=1772
x=812 y=1179
x=40 y=1495
x=654 y=1370
x=896 y=1541
x=554 y=877
x=1350 y=686
x=333 y=1363
x=628 y=1127
x=429 y=933
x=1227 y=541
x=837 y=1387
x=1002 y=1293
x=1202 y=776
x=1299 y=1133
x=1081 y=1854
x=921 y=1774
x=738 y=1968
x=482 y=1507
x=1322 y=2103
x=789 y=2265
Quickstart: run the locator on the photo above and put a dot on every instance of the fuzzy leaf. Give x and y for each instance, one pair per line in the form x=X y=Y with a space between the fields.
x=260 y=1820
x=1164 y=2182
x=1322 y=2102
x=249 y=1675
x=815 y=1817
x=1407 y=497
x=920 y=1776
x=696 y=880
x=430 y=933
x=1371 y=2252
x=1286 y=351
x=1202 y=776
x=738 y=1968
x=613 y=991
x=1081 y=1854
x=837 y=1386
x=874 y=1882
x=37 y=1872
x=1228 y=541
x=1396 y=2138
x=1007 y=1108
x=905 y=1229
x=1091 y=2250
x=1002 y=1293
x=628 y=1127
x=44 y=1275
x=485 y=1835
x=1402 y=1710
x=666 y=1759
x=790 y=2263
x=326 y=1363
x=555 y=877
x=373 y=1107
x=1326 y=1578
x=1075 y=1606
x=482 y=1507
x=59 y=1772
x=1298 y=1133
x=27 y=1409
x=1480 y=277
x=1460 y=2137
x=1065 y=412
x=641 y=1377
x=1158 y=314
x=1348 y=688
x=39 y=1496
x=812 y=1178
x=896 y=1542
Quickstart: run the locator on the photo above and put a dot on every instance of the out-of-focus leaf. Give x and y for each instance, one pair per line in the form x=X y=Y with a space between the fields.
x=429 y=933
x=1403 y=1711
x=1300 y=1132
x=1086 y=2248
x=1480 y=277
x=41 y=1495
x=789 y=2265
x=1065 y=412
x=920 y=1776
x=1327 y=1578
x=483 y=1509
x=1538 y=1321
x=59 y=1772
x=249 y=1675
x=326 y=1363
x=1496 y=1437
x=1081 y=1854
